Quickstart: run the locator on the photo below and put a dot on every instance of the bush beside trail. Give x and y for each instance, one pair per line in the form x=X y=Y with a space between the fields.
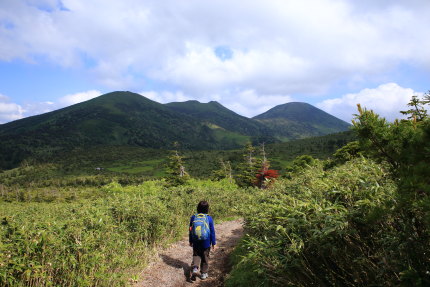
x=323 y=228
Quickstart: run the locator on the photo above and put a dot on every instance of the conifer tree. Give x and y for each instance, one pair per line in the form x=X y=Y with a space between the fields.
x=346 y=153
x=177 y=175
x=418 y=110
x=248 y=168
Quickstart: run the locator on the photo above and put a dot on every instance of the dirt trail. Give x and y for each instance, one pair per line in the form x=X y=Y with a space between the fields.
x=171 y=268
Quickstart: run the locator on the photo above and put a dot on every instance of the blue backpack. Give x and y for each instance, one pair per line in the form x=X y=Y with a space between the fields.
x=200 y=227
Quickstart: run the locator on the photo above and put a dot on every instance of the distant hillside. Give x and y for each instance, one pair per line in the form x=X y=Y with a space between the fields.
x=129 y=119
x=224 y=120
x=119 y=118
x=300 y=120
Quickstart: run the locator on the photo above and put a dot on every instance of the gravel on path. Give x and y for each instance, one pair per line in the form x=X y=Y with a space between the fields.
x=171 y=268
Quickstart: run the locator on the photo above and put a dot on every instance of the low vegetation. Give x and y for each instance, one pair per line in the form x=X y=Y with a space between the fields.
x=132 y=165
x=80 y=238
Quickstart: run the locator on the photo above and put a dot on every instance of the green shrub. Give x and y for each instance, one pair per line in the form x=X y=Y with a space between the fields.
x=322 y=228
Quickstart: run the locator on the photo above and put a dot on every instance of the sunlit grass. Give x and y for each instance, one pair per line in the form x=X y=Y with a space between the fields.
x=78 y=239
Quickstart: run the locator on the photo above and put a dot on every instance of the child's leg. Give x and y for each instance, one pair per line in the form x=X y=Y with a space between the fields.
x=205 y=260
x=196 y=258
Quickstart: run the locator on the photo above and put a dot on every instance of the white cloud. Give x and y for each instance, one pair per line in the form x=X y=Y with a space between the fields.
x=165 y=96
x=386 y=100
x=37 y=108
x=9 y=111
x=249 y=103
x=278 y=47
x=201 y=70
x=77 y=98
x=12 y=111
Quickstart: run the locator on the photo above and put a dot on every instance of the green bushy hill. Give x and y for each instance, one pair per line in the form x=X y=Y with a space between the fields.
x=119 y=118
x=300 y=120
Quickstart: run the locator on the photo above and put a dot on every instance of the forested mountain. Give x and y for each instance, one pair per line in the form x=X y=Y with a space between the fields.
x=229 y=128
x=300 y=120
x=129 y=119
x=215 y=113
x=119 y=118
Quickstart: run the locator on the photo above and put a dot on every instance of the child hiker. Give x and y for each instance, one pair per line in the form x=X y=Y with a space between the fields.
x=202 y=237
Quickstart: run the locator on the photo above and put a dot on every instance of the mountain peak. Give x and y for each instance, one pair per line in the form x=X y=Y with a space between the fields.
x=298 y=119
x=191 y=102
x=123 y=95
x=296 y=111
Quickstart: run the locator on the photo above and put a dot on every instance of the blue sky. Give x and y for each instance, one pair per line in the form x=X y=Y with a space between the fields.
x=248 y=55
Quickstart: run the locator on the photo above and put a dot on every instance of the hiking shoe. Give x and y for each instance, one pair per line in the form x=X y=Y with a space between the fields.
x=195 y=271
x=204 y=276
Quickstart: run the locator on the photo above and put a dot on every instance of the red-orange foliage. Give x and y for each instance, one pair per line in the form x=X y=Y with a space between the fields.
x=263 y=175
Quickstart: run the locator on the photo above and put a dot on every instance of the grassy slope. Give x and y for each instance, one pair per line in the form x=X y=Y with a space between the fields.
x=311 y=230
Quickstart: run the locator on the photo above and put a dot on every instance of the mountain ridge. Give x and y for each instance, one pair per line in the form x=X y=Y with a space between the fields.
x=126 y=118
x=219 y=115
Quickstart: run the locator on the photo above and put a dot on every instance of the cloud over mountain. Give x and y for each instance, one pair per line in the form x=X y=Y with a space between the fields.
x=9 y=111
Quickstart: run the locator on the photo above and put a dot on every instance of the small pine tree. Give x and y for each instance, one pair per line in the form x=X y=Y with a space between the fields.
x=177 y=175
x=249 y=168
x=347 y=152
x=417 y=110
